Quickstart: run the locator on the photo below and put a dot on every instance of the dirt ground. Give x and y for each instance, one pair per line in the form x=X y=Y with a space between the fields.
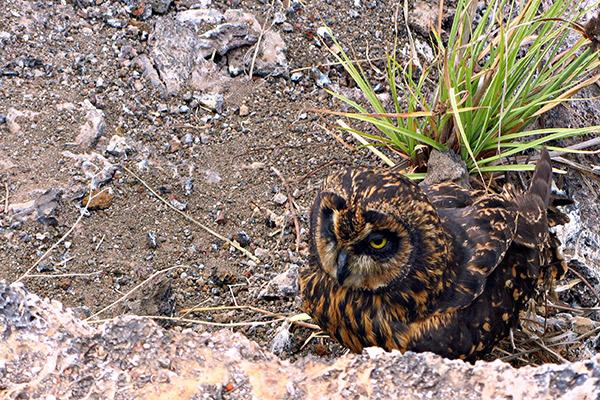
x=55 y=55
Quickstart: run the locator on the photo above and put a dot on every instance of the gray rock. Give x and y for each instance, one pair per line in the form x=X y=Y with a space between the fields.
x=93 y=128
x=226 y=37
x=212 y=177
x=139 y=8
x=271 y=60
x=2 y=119
x=283 y=285
x=180 y=205
x=322 y=79
x=201 y=16
x=176 y=61
x=144 y=63
x=119 y=146
x=279 y=18
x=280 y=198
x=188 y=186
x=423 y=16
x=45 y=339
x=173 y=54
x=296 y=76
x=212 y=101
x=14 y=114
x=160 y=6
x=188 y=139
x=43 y=207
x=446 y=167
x=116 y=23
x=243 y=238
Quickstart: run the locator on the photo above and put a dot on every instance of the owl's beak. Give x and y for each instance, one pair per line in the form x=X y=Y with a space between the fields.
x=342 y=270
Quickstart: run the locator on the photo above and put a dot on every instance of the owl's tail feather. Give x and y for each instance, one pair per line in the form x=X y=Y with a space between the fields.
x=541 y=183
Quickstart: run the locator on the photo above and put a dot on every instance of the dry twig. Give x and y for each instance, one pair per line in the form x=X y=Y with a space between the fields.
x=82 y=213
x=232 y=243
x=291 y=207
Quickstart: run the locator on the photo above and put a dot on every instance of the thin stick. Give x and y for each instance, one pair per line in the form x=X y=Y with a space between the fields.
x=317 y=170
x=82 y=212
x=192 y=220
x=232 y=295
x=290 y=206
x=6 y=197
x=252 y=308
x=198 y=321
x=260 y=37
x=585 y=281
x=368 y=145
x=120 y=299
x=64 y=275
x=555 y=354
x=100 y=243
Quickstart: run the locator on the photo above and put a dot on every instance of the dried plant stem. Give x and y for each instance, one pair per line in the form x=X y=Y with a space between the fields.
x=82 y=213
x=6 y=197
x=64 y=275
x=290 y=206
x=201 y=322
x=192 y=220
x=250 y=308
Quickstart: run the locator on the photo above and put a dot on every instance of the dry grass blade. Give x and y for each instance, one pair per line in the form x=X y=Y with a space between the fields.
x=192 y=220
x=6 y=197
x=588 y=284
x=200 y=322
x=74 y=275
x=82 y=213
x=290 y=205
x=297 y=319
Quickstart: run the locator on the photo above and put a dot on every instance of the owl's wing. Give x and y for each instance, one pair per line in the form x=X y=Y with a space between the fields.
x=450 y=195
x=481 y=234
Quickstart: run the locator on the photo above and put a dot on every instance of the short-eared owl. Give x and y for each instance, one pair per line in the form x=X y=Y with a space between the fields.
x=442 y=269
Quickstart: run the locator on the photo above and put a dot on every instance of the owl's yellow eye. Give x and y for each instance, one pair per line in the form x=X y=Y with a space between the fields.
x=378 y=243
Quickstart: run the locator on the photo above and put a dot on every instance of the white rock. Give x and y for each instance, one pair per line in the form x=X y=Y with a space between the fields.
x=93 y=128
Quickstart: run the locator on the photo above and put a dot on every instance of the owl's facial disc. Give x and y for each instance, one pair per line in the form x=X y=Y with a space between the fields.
x=359 y=248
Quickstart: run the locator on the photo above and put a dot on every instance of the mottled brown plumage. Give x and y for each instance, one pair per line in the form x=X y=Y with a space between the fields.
x=442 y=269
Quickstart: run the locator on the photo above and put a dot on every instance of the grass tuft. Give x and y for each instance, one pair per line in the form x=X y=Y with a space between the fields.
x=486 y=85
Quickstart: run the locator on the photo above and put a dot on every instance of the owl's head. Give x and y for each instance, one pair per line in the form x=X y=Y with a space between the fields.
x=374 y=229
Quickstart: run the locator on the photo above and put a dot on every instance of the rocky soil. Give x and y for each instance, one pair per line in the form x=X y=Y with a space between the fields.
x=47 y=352
x=210 y=105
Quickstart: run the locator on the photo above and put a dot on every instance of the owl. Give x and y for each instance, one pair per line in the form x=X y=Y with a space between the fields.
x=441 y=268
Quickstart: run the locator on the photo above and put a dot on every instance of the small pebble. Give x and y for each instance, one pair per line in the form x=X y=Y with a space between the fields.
x=261 y=253
x=188 y=139
x=188 y=186
x=221 y=219
x=44 y=267
x=279 y=18
x=280 y=198
x=243 y=239
x=151 y=240
x=180 y=205
x=244 y=110
x=297 y=76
